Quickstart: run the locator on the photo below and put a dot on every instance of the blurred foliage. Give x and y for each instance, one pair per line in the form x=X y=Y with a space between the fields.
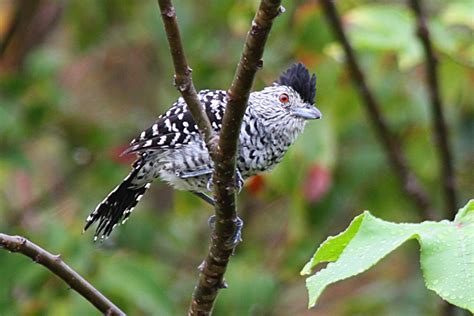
x=104 y=72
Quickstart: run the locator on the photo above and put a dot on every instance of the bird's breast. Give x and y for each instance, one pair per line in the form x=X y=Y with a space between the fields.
x=263 y=146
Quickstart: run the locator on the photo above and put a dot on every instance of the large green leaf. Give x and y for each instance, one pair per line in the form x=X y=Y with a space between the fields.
x=380 y=27
x=447 y=254
x=385 y=27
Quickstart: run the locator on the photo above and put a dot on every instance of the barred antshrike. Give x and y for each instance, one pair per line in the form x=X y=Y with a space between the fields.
x=173 y=150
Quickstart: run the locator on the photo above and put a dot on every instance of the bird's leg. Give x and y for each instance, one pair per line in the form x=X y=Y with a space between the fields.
x=204 y=197
x=197 y=173
x=235 y=238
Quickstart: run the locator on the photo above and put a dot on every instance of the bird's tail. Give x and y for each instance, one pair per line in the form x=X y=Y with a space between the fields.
x=116 y=207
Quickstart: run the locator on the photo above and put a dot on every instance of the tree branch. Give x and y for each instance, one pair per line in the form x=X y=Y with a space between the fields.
x=211 y=278
x=392 y=146
x=440 y=129
x=183 y=79
x=55 y=264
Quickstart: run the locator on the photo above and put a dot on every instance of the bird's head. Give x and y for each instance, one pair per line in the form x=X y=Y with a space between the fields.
x=291 y=96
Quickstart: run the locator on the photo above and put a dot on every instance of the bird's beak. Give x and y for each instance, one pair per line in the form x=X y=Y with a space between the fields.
x=308 y=112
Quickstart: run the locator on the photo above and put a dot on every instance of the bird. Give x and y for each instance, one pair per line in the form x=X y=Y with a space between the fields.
x=173 y=150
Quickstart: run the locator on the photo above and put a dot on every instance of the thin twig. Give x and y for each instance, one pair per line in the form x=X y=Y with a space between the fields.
x=211 y=278
x=183 y=79
x=392 y=146
x=55 y=264
x=440 y=129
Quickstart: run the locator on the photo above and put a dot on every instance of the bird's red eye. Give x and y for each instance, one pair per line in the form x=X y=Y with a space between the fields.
x=284 y=98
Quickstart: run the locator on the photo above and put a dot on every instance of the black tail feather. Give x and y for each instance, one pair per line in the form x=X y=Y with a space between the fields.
x=116 y=207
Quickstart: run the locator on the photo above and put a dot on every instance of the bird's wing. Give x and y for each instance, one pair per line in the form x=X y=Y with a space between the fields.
x=176 y=127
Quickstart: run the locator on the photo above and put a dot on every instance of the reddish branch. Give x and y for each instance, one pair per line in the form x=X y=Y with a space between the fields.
x=183 y=79
x=439 y=124
x=55 y=264
x=392 y=145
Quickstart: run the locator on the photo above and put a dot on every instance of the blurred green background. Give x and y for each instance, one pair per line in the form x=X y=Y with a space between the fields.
x=81 y=78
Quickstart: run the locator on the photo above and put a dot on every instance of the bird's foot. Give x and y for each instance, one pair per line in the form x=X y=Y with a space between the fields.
x=205 y=197
x=235 y=237
x=222 y=285
x=239 y=182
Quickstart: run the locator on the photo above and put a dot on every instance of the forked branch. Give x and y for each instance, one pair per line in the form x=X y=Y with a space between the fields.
x=211 y=278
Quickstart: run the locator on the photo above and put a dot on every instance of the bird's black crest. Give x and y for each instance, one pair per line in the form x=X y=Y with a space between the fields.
x=298 y=77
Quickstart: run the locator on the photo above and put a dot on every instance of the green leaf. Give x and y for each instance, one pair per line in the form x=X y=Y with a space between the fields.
x=466 y=214
x=459 y=13
x=392 y=28
x=332 y=248
x=447 y=254
x=380 y=27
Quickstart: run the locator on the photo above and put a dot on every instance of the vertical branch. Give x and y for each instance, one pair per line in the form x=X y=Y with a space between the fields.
x=391 y=144
x=55 y=264
x=440 y=129
x=211 y=278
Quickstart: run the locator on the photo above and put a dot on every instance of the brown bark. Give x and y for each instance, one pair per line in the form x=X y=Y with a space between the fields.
x=55 y=264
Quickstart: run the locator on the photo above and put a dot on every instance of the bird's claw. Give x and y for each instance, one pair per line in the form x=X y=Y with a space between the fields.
x=235 y=238
x=210 y=182
x=239 y=182
x=212 y=222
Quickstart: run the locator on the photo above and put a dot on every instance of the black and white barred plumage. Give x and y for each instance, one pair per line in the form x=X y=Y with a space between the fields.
x=173 y=150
